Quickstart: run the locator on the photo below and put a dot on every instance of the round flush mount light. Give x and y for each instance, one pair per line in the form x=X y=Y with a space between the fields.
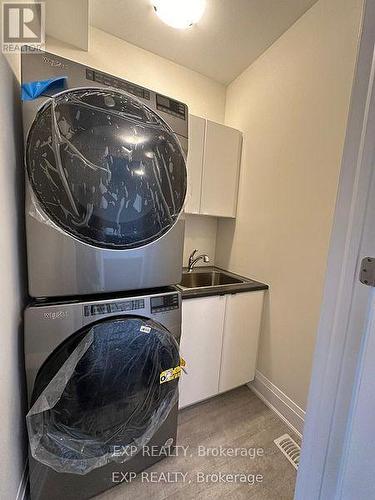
x=180 y=14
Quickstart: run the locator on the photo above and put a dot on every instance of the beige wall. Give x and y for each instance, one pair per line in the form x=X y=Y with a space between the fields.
x=200 y=234
x=292 y=105
x=110 y=54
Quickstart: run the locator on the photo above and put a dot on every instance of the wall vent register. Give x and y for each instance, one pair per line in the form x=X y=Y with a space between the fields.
x=290 y=449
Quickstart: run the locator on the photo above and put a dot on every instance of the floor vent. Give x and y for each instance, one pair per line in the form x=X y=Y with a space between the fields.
x=290 y=448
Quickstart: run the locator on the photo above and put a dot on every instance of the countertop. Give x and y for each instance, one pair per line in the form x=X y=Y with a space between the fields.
x=247 y=285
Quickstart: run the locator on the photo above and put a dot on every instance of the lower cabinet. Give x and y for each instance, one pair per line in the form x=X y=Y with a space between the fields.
x=243 y=315
x=219 y=343
x=201 y=343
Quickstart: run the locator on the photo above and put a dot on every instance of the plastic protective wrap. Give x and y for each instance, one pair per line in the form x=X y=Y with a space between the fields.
x=107 y=395
x=105 y=168
x=32 y=90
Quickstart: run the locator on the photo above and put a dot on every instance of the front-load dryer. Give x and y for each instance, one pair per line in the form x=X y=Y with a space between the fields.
x=106 y=180
x=102 y=379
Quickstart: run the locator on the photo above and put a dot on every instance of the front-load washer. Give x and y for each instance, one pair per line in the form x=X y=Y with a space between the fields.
x=106 y=180
x=102 y=379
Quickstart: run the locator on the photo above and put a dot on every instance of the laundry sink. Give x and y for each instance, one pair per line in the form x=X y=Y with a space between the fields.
x=207 y=279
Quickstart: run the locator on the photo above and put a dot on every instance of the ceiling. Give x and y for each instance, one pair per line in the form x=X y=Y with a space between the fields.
x=228 y=38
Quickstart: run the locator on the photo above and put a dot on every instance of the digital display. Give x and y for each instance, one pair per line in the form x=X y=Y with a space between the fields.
x=164 y=303
x=170 y=106
x=163 y=101
x=157 y=301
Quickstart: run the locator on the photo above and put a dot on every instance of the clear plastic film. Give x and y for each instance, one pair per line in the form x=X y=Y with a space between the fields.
x=105 y=168
x=103 y=396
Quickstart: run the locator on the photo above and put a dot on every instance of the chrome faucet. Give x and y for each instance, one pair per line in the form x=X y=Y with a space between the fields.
x=193 y=261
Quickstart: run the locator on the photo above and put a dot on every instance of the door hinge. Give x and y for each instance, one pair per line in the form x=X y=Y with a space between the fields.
x=367 y=276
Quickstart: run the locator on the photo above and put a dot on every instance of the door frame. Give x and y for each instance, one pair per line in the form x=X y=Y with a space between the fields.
x=345 y=308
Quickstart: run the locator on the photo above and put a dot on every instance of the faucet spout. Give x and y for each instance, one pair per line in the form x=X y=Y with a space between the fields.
x=193 y=261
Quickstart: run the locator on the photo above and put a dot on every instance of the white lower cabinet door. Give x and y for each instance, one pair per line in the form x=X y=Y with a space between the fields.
x=201 y=342
x=240 y=341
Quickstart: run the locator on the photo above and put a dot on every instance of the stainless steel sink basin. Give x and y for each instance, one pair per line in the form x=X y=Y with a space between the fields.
x=207 y=279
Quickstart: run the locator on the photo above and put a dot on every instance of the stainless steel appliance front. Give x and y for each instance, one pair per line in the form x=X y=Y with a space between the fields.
x=105 y=184
x=50 y=332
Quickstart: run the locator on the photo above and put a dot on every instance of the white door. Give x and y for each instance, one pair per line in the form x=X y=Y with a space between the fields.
x=358 y=471
x=356 y=478
x=337 y=452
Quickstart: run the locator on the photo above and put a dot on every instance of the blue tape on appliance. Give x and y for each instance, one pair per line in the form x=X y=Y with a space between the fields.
x=32 y=90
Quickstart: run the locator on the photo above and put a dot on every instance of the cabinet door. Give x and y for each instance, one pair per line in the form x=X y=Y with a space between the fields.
x=240 y=342
x=195 y=163
x=201 y=341
x=221 y=167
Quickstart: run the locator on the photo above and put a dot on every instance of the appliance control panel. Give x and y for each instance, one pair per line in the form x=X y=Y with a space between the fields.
x=163 y=103
x=164 y=303
x=111 y=81
x=113 y=307
x=170 y=106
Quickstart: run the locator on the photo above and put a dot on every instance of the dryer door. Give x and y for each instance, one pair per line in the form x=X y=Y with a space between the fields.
x=102 y=395
x=105 y=168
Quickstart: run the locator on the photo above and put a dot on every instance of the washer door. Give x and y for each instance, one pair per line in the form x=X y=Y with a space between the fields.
x=99 y=397
x=106 y=168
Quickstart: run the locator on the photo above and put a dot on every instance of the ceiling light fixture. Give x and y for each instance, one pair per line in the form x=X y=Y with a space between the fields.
x=180 y=14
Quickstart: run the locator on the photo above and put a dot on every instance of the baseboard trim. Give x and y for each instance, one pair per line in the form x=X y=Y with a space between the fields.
x=279 y=402
x=22 y=488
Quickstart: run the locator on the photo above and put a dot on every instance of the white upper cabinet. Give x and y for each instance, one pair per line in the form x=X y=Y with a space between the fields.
x=213 y=168
x=197 y=128
x=221 y=169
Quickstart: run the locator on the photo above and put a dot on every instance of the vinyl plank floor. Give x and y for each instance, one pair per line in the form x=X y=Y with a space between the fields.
x=234 y=420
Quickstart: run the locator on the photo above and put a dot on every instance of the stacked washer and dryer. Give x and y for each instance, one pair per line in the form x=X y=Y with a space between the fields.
x=105 y=185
